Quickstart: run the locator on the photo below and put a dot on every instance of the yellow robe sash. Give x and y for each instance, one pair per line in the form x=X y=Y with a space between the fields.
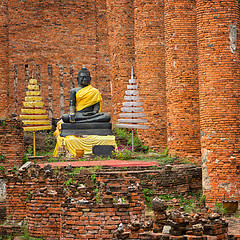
x=87 y=97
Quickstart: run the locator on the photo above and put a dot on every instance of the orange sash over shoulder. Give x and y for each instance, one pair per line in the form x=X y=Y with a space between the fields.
x=87 y=97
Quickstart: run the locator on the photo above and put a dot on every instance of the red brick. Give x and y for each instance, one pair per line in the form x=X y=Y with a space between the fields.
x=182 y=79
x=219 y=89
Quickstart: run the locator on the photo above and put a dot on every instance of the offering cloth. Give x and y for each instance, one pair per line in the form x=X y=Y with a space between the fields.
x=72 y=143
x=87 y=97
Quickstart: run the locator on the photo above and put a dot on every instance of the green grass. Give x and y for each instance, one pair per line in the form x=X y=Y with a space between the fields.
x=125 y=134
x=191 y=203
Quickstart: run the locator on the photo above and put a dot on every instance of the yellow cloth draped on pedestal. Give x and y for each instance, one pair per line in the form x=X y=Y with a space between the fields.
x=87 y=97
x=72 y=143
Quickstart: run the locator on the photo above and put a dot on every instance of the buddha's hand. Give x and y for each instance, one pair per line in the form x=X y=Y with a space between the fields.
x=89 y=113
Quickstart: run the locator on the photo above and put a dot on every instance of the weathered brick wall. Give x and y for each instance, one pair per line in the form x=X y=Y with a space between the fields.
x=182 y=79
x=11 y=143
x=181 y=225
x=64 y=34
x=102 y=56
x=20 y=187
x=44 y=214
x=3 y=195
x=93 y=221
x=54 y=39
x=179 y=180
x=88 y=210
x=121 y=49
x=4 y=63
x=219 y=89
x=150 y=69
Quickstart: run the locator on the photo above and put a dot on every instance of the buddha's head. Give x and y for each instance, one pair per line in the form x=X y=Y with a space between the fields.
x=84 y=77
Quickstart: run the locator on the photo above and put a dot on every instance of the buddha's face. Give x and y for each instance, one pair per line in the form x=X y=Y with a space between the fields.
x=84 y=78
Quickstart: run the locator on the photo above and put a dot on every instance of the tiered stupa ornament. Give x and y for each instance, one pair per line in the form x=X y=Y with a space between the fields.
x=132 y=110
x=33 y=114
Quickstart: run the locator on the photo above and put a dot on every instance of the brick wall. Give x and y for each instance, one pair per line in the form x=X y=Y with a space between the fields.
x=98 y=221
x=11 y=143
x=182 y=79
x=64 y=204
x=150 y=69
x=64 y=34
x=121 y=49
x=219 y=92
x=44 y=214
x=54 y=39
x=177 y=179
x=4 y=62
x=20 y=187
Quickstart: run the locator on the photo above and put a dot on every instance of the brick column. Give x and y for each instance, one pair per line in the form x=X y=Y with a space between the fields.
x=219 y=87
x=181 y=79
x=121 y=49
x=4 y=60
x=150 y=68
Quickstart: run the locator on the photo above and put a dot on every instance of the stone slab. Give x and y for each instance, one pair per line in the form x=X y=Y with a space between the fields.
x=131 y=92
x=81 y=132
x=132 y=120
x=95 y=125
x=132 y=98
x=132 y=115
x=132 y=104
x=136 y=126
x=132 y=109
x=103 y=150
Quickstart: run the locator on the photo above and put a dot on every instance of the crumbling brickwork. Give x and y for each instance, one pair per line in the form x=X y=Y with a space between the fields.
x=11 y=143
x=69 y=204
x=45 y=209
x=219 y=90
x=186 y=62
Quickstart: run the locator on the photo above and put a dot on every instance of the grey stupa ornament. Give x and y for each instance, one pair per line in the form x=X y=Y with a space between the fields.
x=132 y=115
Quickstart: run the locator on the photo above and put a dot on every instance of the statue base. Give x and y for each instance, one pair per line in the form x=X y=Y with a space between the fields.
x=92 y=128
x=72 y=143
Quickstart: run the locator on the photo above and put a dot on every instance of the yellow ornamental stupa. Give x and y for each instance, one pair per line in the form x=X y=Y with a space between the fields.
x=33 y=114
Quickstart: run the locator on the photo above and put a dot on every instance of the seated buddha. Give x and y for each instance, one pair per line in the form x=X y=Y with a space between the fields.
x=85 y=109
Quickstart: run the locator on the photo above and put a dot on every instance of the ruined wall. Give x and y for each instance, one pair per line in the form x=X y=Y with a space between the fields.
x=99 y=221
x=121 y=49
x=44 y=212
x=53 y=39
x=4 y=61
x=23 y=184
x=183 y=130
x=150 y=69
x=219 y=97
x=11 y=143
x=66 y=204
x=63 y=34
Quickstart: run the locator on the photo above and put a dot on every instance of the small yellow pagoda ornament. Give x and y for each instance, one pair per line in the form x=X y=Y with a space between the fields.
x=33 y=114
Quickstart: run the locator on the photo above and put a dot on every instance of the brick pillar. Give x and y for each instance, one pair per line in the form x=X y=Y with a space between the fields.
x=4 y=60
x=181 y=79
x=121 y=49
x=219 y=88
x=150 y=68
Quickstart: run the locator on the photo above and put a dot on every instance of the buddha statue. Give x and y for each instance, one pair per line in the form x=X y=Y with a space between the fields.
x=85 y=110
